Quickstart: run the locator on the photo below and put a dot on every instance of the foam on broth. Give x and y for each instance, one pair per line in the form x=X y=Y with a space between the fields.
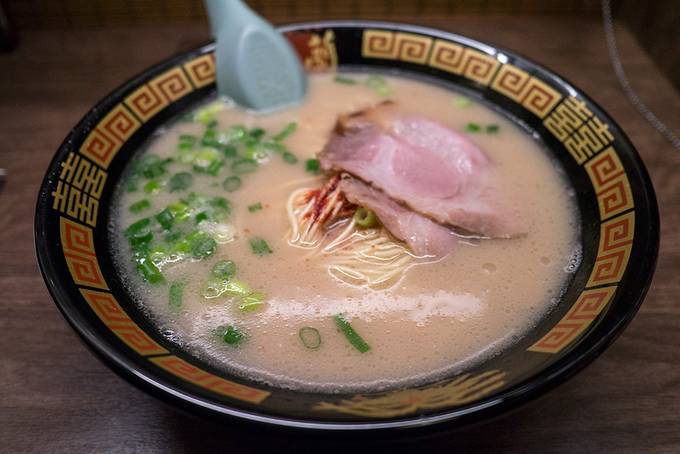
x=443 y=315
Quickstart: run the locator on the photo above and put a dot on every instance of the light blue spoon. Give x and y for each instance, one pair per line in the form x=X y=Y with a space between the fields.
x=256 y=66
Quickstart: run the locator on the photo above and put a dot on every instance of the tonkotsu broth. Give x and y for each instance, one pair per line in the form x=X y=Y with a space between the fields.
x=442 y=315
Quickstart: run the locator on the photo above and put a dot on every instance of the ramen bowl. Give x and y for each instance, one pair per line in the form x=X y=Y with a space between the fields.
x=618 y=215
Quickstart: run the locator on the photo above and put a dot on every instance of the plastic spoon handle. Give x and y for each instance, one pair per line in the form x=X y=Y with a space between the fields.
x=256 y=66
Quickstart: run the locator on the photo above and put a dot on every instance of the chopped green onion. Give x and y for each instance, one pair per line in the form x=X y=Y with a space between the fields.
x=140 y=240
x=208 y=161
x=289 y=157
x=259 y=246
x=180 y=181
x=180 y=210
x=255 y=151
x=345 y=80
x=137 y=227
x=152 y=187
x=201 y=245
x=256 y=133
x=153 y=166
x=236 y=132
x=251 y=302
x=379 y=85
x=288 y=130
x=235 y=287
x=310 y=337
x=255 y=207
x=209 y=138
x=207 y=114
x=231 y=184
x=243 y=166
x=472 y=127
x=213 y=288
x=232 y=335
x=229 y=151
x=175 y=296
x=140 y=206
x=165 y=218
x=188 y=138
x=220 y=203
x=150 y=272
x=312 y=166
x=224 y=269
x=462 y=101
x=132 y=185
x=492 y=128
x=352 y=336
x=202 y=216
x=365 y=218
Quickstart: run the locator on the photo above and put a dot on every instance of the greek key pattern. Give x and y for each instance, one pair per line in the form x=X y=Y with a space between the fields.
x=611 y=184
x=538 y=97
x=117 y=320
x=586 y=309
x=180 y=368
x=109 y=135
x=201 y=70
x=78 y=245
x=616 y=242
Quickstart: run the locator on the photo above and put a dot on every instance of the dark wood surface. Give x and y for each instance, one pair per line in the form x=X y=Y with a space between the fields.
x=57 y=397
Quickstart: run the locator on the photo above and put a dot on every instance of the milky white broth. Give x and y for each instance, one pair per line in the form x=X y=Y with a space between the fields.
x=440 y=316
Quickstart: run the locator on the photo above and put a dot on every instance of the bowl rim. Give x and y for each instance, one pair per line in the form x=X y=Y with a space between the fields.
x=525 y=391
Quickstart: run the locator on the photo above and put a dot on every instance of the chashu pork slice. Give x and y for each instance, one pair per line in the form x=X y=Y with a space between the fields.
x=424 y=236
x=423 y=164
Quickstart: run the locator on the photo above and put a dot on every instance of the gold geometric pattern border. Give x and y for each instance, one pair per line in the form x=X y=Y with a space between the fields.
x=459 y=391
x=586 y=309
x=538 y=97
x=117 y=320
x=201 y=70
x=616 y=242
x=78 y=245
x=199 y=377
x=610 y=182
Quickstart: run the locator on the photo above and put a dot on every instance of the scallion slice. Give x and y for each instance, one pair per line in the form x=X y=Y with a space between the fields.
x=289 y=157
x=492 y=128
x=150 y=272
x=259 y=246
x=255 y=207
x=288 y=130
x=231 y=184
x=152 y=187
x=312 y=166
x=310 y=337
x=165 y=218
x=243 y=166
x=352 y=336
x=175 y=295
x=232 y=335
x=345 y=80
x=140 y=206
x=251 y=302
x=472 y=127
x=180 y=181
x=365 y=218
x=224 y=269
x=379 y=85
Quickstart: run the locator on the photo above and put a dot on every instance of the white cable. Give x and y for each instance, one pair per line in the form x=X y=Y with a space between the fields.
x=625 y=84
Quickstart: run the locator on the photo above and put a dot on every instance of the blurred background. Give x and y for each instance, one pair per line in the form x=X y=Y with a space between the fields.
x=653 y=23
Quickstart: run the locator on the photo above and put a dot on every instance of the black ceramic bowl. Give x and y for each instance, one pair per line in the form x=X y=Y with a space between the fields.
x=620 y=232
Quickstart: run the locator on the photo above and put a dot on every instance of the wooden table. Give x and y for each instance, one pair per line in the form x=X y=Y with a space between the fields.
x=56 y=397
